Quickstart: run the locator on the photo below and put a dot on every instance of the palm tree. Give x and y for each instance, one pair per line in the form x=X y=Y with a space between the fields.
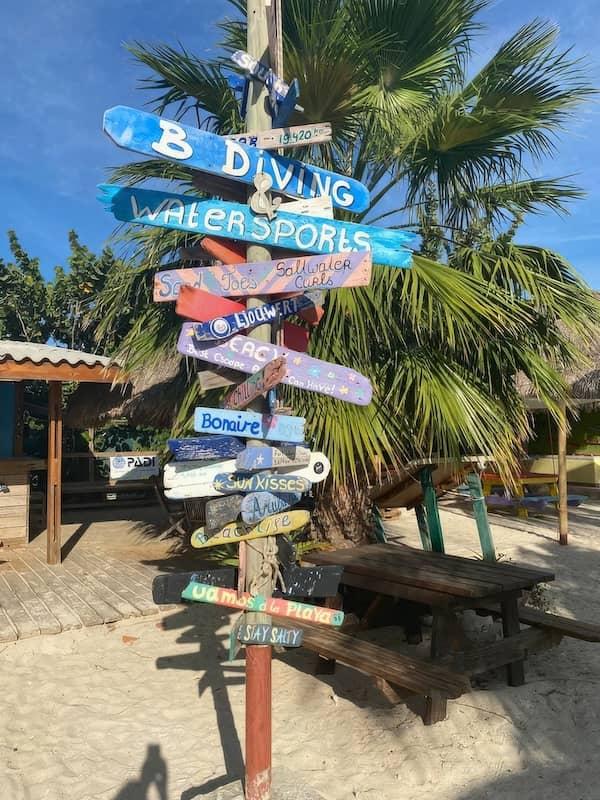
x=451 y=157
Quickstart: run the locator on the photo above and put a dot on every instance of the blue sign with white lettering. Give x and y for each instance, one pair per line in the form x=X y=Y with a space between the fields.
x=249 y=424
x=236 y=221
x=153 y=136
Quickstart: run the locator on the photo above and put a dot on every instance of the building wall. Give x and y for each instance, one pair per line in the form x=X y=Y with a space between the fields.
x=7 y=418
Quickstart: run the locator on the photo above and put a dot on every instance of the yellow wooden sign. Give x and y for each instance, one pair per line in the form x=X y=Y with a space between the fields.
x=286 y=522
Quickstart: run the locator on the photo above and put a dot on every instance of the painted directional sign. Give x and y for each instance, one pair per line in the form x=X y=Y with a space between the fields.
x=258 y=505
x=198 y=304
x=285 y=108
x=317 y=207
x=217 y=378
x=184 y=480
x=235 y=221
x=182 y=473
x=287 y=522
x=203 y=306
x=257 y=384
x=304 y=372
x=261 y=72
x=153 y=136
x=204 y=448
x=277 y=606
x=270 y=634
x=269 y=277
x=167 y=589
x=221 y=511
x=273 y=457
x=259 y=482
x=321 y=581
x=227 y=325
x=225 y=251
x=294 y=136
x=249 y=424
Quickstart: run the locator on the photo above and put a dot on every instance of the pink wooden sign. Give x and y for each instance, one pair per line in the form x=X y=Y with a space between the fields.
x=269 y=277
x=258 y=383
x=250 y=355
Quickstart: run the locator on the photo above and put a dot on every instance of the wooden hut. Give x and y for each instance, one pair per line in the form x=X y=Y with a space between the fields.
x=24 y=361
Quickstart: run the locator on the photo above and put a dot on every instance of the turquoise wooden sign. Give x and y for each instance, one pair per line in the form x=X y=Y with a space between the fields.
x=249 y=424
x=217 y=155
x=236 y=221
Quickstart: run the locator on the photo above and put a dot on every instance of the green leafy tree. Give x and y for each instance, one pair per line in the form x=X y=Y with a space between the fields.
x=447 y=155
x=72 y=296
x=23 y=296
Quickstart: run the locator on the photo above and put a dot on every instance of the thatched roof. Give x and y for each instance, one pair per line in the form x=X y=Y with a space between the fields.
x=150 y=398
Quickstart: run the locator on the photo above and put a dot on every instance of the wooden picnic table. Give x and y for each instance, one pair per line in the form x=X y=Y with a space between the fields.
x=447 y=584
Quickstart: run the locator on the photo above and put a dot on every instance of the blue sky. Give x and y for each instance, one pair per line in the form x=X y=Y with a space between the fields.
x=63 y=64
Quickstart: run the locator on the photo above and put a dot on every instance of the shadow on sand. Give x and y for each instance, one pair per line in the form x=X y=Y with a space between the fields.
x=153 y=776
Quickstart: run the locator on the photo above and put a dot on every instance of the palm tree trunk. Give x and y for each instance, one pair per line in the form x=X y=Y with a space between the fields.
x=343 y=515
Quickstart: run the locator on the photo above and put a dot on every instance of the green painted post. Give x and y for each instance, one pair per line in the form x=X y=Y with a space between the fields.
x=423 y=526
x=431 y=506
x=481 y=517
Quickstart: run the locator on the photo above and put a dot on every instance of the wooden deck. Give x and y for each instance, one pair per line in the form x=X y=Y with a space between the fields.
x=106 y=576
x=89 y=588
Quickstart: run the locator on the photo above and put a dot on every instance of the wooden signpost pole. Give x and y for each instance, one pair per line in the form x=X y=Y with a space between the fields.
x=258 y=657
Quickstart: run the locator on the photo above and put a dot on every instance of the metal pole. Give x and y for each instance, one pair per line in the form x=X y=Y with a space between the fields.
x=258 y=657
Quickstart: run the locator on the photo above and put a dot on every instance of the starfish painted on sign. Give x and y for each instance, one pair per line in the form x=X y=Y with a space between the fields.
x=218 y=485
x=351 y=377
x=314 y=371
x=297 y=361
x=258 y=460
x=343 y=390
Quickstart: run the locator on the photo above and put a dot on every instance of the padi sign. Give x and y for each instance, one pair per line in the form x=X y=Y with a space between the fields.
x=128 y=468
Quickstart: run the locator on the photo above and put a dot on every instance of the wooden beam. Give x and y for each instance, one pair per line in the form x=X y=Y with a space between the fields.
x=53 y=491
x=481 y=516
x=12 y=371
x=563 y=512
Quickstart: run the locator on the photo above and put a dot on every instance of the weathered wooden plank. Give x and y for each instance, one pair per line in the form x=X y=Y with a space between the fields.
x=303 y=372
x=167 y=589
x=67 y=588
x=92 y=592
x=249 y=424
x=221 y=511
x=261 y=72
x=273 y=457
x=196 y=304
x=294 y=136
x=285 y=108
x=311 y=581
x=258 y=505
x=259 y=482
x=412 y=674
x=184 y=480
x=205 y=448
x=236 y=532
x=217 y=378
x=123 y=581
x=224 y=326
x=257 y=384
x=8 y=632
x=236 y=221
x=150 y=135
x=203 y=593
x=270 y=634
x=32 y=603
x=16 y=612
x=299 y=274
x=115 y=591
x=66 y=617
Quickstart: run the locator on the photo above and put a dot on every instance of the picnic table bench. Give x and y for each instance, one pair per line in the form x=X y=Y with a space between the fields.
x=446 y=584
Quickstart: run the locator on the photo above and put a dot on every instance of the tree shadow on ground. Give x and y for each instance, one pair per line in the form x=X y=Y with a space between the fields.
x=217 y=676
x=153 y=776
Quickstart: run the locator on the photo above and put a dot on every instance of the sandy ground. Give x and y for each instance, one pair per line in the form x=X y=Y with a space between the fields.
x=149 y=710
